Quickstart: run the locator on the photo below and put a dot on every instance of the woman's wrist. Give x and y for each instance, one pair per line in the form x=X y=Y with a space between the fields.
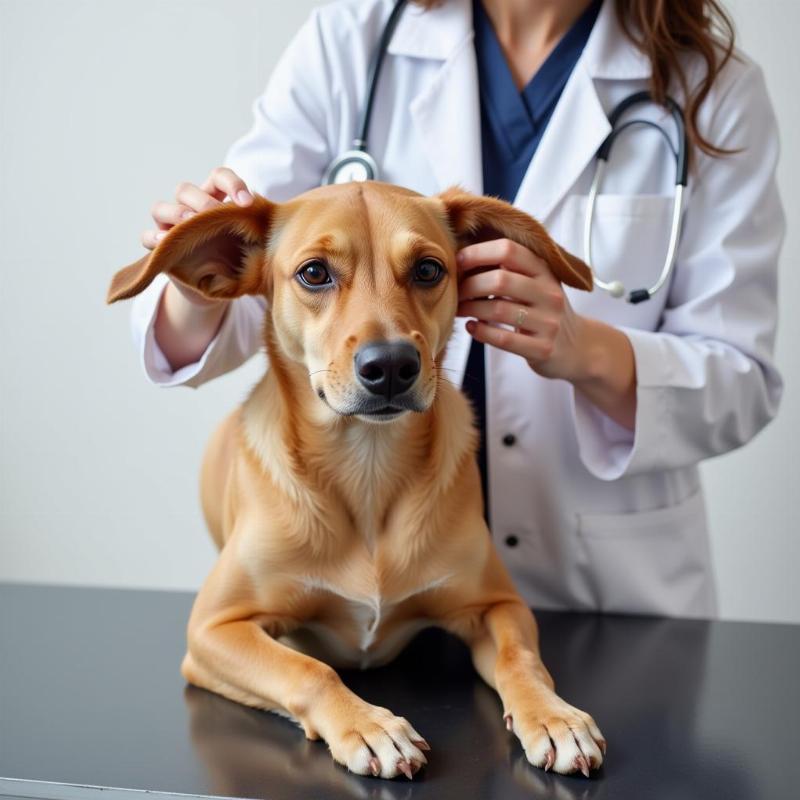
x=184 y=326
x=604 y=369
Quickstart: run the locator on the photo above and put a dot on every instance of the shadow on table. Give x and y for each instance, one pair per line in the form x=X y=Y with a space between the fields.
x=249 y=754
x=640 y=678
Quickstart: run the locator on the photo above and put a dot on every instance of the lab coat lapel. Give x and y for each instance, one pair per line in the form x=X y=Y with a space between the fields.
x=568 y=145
x=446 y=116
x=579 y=123
x=446 y=112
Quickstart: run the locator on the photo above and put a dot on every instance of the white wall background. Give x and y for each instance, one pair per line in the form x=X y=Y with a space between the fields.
x=104 y=107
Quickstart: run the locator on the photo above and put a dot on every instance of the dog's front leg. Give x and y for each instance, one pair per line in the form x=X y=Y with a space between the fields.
x=240 y=660
x=552 y=732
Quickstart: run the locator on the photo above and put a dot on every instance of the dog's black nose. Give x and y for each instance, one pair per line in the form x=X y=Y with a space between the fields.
x=387 y=368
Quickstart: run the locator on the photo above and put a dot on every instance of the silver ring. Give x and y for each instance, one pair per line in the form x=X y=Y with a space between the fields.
x=522 y=312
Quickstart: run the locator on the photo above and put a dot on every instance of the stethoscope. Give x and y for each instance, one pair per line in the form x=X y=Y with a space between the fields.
x=615 y=288
x=357 y=164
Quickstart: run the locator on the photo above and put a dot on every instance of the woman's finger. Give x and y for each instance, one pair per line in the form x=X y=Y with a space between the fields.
x=503 y=252
x=498 y=283
x=531 y=348
x=519 y=316
x=224 y=182
x=194 y=197
x=150 y=238
x=166 y=215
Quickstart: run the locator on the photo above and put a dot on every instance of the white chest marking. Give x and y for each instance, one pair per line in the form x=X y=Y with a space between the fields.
x=368 y=611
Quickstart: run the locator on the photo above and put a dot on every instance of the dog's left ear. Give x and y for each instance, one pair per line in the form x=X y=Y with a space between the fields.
x=220 y=253
x=478 y=219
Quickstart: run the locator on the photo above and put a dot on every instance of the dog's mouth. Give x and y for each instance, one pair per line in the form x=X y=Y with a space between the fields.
x=382 y=414
x=385 y=411
x=378 y=410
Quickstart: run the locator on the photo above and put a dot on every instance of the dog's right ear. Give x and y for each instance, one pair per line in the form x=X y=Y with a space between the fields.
x=220 y=253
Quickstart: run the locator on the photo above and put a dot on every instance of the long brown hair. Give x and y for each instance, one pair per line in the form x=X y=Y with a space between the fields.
x=664 y=30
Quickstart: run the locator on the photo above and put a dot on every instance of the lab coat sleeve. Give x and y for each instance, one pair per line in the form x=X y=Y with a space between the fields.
x=238 y=338
x=706 y=380
x=284 y=153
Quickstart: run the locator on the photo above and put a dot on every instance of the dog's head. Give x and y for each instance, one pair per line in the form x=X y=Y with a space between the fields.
x=360 y=279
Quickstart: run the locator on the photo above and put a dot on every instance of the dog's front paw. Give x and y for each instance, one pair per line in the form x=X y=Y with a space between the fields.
x=370 y=740
x=556 y=735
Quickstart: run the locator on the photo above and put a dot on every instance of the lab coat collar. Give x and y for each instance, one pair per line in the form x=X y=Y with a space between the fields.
x=609 y=53
x=440 y=32
x=446 y=112
x=437 y=33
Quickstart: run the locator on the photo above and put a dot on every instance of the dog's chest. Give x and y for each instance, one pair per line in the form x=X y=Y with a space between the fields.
x=362 y=625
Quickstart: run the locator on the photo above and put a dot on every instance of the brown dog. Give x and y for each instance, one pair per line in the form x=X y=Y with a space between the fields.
x=345 y=523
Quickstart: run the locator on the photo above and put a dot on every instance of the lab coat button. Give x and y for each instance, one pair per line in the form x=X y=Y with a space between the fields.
x=509 y=440
x=512 y=541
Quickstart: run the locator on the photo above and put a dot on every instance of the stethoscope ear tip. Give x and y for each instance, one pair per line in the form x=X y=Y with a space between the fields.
x=616 y=289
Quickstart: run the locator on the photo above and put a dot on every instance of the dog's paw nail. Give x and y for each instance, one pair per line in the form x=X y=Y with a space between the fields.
x=549 y=760
x=415 y=766
x=583 y=765
x=508 y=719
x=421 y=744
x=375 y=766
x=405 y=768
x=603 y=746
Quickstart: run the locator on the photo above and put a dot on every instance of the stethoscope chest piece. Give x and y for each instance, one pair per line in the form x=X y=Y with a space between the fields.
x=352 y=165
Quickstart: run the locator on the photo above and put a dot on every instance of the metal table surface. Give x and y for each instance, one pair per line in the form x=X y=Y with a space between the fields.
x=91 y=700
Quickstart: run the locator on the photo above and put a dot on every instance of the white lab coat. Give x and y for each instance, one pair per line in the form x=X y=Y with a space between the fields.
x=604 y=518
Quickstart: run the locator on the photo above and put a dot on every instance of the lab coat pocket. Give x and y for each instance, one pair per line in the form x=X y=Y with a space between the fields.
x=651 y=562
x=630 y=236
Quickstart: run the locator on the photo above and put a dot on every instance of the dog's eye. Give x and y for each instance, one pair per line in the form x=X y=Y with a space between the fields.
x=429 y=270
x=314 y=274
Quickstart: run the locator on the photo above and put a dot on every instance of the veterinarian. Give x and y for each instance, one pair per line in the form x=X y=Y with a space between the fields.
x=595 y=412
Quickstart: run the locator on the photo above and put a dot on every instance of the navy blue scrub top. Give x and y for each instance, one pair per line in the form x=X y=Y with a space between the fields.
x=512 y=124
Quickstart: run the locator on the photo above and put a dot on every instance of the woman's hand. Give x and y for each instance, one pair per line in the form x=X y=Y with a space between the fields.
x=517 y=288
x=186 y=322
x=189 y=200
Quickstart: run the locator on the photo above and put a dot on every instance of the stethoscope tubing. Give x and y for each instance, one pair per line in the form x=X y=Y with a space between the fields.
x=360 y=142
x=616 y=288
